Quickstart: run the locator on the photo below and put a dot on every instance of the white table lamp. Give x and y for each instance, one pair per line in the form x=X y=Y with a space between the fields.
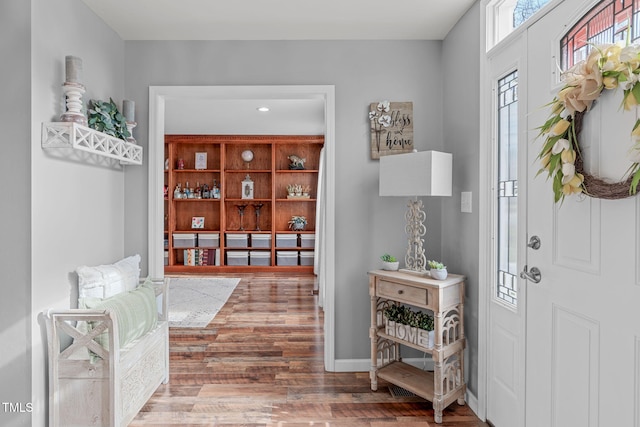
x=426 y=173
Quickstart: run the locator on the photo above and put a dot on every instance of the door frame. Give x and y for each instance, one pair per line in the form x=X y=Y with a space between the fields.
x=158 y=95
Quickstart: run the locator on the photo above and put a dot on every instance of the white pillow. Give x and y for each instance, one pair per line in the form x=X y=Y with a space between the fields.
x=130 y=269
x=104 y=281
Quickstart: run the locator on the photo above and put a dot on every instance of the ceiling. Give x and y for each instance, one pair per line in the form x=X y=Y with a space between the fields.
x=241 y=116
x=270 y=20
x=280 y=19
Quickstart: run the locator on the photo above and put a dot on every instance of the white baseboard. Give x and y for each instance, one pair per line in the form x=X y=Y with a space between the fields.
x=472 y=402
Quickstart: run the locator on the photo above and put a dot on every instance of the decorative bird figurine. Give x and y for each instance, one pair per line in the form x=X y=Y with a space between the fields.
x=296 y=162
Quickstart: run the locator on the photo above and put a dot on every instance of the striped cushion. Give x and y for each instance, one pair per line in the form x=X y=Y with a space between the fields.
x=135 y=312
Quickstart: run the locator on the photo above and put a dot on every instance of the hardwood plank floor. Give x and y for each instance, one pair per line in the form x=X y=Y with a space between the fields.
x=260 y=363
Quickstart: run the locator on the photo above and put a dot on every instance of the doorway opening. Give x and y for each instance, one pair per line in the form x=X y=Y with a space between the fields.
x=159 y=96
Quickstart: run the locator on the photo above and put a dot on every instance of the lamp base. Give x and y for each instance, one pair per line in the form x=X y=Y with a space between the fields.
x=415 y=259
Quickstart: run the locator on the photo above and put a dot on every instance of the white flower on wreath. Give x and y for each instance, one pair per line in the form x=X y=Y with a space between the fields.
x=560 y=145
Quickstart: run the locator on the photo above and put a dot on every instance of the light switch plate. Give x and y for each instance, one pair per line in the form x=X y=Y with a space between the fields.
x=465 y=201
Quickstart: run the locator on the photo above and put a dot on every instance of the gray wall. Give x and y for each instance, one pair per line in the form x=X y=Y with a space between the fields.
x=15 y=218
x=362 y=72
x=77 y=203
x=461 y=62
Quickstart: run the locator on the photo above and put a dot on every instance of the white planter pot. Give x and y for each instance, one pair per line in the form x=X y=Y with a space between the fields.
x=425 y=338
x=438 y=274
x=391 y=266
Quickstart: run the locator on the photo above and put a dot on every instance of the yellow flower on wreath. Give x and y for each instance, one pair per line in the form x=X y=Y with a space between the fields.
x=607 y=67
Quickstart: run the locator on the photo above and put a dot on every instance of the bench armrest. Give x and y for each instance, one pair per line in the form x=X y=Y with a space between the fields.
x=61 y=322
x=161 y=287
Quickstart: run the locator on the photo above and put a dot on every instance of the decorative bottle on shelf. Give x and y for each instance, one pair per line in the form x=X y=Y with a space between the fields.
x=216 y=190
x=176 y=193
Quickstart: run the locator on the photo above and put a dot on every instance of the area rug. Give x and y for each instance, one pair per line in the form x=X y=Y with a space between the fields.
x=194 y=302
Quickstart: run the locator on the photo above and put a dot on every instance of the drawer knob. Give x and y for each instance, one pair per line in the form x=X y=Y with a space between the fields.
x=400 y=292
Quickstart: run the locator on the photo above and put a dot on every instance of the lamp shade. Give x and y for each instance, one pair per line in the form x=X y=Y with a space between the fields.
x=426 y=173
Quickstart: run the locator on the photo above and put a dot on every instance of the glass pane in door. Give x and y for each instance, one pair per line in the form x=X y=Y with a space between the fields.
x=507 y=194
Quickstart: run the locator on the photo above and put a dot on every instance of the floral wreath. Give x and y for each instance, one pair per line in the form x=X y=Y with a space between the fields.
x=607 y=67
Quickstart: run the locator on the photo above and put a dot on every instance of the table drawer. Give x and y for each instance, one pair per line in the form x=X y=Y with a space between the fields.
x=402 y=293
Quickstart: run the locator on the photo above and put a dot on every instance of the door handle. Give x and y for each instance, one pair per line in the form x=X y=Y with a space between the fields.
x=534 y=243
x=532 y=275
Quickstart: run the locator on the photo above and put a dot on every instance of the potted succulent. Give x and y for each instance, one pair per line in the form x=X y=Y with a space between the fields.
x=297 y=223
x=438 y=270
x=389 y=262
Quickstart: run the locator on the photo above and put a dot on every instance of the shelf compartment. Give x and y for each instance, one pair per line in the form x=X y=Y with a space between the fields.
x=419 y=382
x=83 y=138
x=285 y=210
x=410 y=378
x=261 y=156
x=309 y=151
x=232 y=215
x=194 y=177
x=283 y=179
x=261 y=185
x=186 y=211
x=185 y=147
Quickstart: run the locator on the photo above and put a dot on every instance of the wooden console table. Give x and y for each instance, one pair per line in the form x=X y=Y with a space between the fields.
x=445 y=299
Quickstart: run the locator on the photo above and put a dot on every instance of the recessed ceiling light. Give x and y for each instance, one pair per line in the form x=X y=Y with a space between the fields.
x=263 y=109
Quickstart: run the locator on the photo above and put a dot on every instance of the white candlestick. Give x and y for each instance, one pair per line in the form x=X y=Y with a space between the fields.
x=130 y=126
x=128 y=110
x=73 y=97
x=73 y=69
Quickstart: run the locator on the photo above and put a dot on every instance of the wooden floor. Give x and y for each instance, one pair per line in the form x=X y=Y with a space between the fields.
x=260 y=363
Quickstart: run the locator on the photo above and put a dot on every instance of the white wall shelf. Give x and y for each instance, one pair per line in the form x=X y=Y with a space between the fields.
x=79 y=137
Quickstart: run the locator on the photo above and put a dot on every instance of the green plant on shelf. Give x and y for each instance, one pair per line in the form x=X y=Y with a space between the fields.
x=436 y=265
x=105 y=117
x=297 y=222
x=406 y=316
x=388 y=258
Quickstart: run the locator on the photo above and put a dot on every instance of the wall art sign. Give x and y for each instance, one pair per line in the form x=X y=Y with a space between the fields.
x=391 y=128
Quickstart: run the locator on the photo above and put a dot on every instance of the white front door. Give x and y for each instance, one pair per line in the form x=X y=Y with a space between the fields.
x=507 y=302
x=583 y=317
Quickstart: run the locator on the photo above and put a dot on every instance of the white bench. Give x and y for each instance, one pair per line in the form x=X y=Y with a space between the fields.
x=90 y=385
